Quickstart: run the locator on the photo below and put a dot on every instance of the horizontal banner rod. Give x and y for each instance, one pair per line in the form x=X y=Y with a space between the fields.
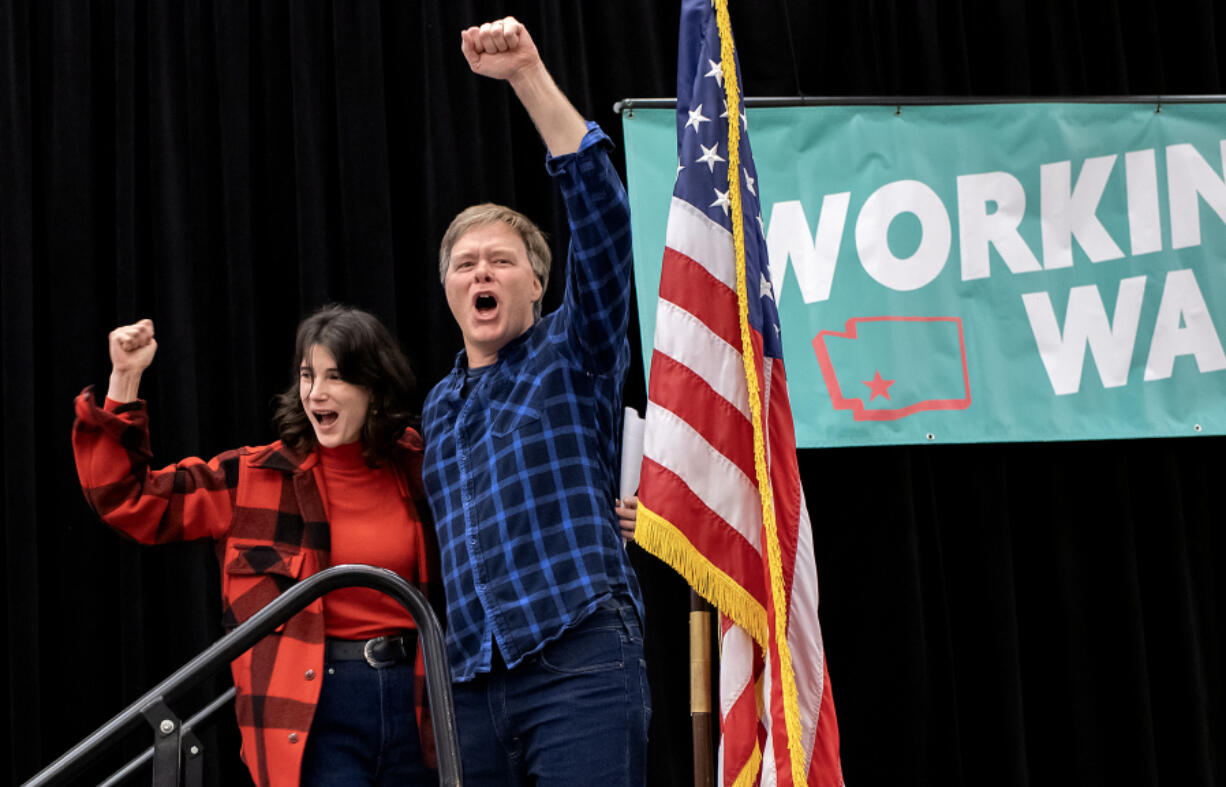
x=628 y=104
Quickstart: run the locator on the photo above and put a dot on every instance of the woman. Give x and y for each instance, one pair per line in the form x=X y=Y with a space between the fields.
x=342 y=485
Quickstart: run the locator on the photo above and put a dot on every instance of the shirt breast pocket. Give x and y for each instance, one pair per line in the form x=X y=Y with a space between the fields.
x=513 y=419
x=255 y=573
x=514 y=404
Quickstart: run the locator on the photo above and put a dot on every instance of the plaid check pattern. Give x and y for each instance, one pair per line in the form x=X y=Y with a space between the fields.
x=263 y=507
x=521 y=472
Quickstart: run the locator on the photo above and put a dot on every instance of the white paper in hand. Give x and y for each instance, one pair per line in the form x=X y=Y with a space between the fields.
x=632 y=452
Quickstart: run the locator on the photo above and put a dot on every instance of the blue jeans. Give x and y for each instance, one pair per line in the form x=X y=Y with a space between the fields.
x=365 y=729
x=574 y=713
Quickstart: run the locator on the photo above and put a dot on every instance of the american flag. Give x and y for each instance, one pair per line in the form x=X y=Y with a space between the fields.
x=720 y=496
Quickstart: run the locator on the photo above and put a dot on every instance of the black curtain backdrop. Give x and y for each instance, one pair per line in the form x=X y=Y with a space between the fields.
x=1007 y=614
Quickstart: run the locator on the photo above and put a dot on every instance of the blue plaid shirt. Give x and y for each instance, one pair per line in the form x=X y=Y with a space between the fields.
x=521 y=472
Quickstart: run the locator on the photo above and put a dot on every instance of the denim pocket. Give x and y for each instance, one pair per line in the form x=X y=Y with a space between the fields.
x=594 y=645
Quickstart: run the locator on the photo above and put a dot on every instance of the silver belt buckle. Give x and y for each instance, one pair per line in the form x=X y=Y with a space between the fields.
x=368 y=653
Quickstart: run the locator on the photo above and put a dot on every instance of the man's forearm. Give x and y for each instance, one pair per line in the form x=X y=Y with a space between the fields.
x=557 y=120
x=598 y=266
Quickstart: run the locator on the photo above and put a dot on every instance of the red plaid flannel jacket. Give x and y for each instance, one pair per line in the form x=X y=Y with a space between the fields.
x=263 y=508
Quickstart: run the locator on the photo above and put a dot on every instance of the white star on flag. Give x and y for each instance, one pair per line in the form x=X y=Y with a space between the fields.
x=709 y=156
x=744 y=117
x=712 y=520
x=696 y=118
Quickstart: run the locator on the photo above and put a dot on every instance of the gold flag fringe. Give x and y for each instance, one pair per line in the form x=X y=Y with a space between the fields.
x=773 y=552
x=665 y=540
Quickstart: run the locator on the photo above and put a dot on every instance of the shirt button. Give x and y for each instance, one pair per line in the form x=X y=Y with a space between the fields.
x=310 y=674
x=293 y=737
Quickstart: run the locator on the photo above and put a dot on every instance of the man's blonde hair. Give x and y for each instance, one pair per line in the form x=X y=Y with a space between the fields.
x=488 y=213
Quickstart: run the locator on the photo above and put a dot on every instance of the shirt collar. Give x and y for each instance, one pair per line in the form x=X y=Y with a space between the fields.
x=512 y=350
x=280 y=458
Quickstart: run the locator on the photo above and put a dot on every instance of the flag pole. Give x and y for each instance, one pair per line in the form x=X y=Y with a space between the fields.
x=700 y=690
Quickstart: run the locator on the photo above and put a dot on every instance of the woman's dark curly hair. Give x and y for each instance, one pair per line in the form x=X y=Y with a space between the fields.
x=366 y=354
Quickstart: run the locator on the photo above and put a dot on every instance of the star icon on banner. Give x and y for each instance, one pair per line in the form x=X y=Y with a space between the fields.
x=709 y=156
x=722 y=201
x=769 y=292
x=696 y=118
x=878 y=386
x=717 y=71
x=749 y=182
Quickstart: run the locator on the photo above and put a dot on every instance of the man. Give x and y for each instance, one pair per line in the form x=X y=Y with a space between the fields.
x=543 y=609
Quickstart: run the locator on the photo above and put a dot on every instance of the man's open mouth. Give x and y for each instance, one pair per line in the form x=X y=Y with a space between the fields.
x=485 y=304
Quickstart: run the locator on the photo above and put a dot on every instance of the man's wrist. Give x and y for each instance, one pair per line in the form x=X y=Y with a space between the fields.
x=532 y=80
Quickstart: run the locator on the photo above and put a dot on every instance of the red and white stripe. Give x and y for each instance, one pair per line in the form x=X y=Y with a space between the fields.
x=698 y=474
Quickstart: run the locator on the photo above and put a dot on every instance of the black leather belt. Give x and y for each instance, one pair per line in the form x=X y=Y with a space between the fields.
x=378 y=652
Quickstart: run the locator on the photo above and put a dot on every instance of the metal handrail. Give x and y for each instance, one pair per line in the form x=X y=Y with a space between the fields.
x=281 y=609
x=146 y=757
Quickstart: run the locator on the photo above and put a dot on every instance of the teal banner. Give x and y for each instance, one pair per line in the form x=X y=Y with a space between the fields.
x=980 y=272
